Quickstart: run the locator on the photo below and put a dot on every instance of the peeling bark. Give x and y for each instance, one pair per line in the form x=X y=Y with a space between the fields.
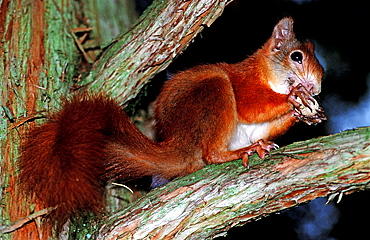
x=209 y=202
x=165 y=30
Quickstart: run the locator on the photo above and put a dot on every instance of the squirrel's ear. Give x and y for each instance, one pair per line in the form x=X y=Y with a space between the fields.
x=283 y=33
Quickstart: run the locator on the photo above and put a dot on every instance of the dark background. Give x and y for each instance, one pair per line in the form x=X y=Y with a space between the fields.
x=340 y=30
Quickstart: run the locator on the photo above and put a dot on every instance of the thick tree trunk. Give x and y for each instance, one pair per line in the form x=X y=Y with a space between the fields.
x=211 y=201
x=38 y=59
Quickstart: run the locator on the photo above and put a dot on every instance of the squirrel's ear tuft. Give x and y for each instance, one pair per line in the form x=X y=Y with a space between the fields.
x=282 y=34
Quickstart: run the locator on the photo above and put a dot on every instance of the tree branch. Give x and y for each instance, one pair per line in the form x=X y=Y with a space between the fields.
x=162 y=32
x=21 y=222
x=211 y=201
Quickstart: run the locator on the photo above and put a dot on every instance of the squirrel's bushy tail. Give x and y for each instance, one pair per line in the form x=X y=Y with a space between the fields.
x=62 y=161
x=66 y=161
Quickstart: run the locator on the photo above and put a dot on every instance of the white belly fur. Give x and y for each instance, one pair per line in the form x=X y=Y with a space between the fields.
x=247 y=134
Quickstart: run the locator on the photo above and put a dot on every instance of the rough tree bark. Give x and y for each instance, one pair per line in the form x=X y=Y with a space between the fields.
x=38 y=60
x=150 y=45
x=211 y=201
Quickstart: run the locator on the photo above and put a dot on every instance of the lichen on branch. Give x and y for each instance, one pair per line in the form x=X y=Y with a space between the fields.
x=218 y=197
x=164 y=30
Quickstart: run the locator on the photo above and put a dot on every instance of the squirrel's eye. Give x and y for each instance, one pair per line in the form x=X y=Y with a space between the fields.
x=297 y=57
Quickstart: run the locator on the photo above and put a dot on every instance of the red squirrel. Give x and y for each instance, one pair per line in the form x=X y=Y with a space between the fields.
x=204 y=115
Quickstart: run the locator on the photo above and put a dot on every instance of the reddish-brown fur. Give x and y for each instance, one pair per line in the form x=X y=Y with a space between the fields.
x=62 y=160
x=66 y=161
